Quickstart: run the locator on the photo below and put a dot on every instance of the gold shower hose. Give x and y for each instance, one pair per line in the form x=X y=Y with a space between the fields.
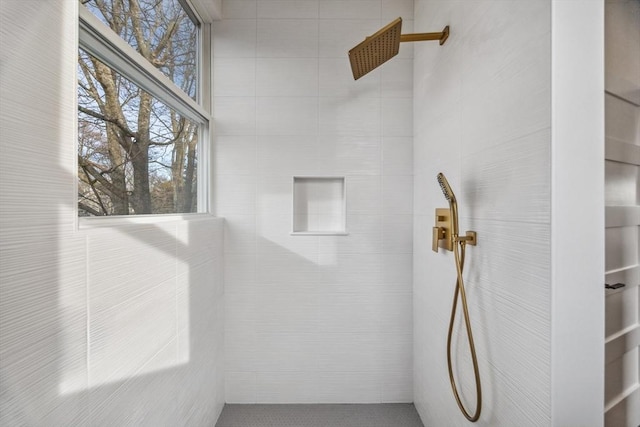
x=459 y=258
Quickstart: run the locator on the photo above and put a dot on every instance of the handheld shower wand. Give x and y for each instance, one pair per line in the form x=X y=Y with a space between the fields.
x=445 y=234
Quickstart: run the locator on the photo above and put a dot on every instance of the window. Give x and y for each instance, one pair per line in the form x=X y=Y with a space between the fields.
x=142 y=128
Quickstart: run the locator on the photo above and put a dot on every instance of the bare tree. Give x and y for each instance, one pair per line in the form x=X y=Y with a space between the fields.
x=132 y=147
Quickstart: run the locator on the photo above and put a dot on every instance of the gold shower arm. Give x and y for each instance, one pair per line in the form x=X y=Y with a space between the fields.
x=418 y=37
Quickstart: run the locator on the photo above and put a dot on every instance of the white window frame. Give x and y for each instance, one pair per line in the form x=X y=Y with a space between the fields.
x=99 y=40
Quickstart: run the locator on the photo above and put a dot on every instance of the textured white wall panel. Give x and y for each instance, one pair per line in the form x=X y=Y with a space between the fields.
x=314 y=318
x=107 y=324
x=482 y=116
x=577 y=328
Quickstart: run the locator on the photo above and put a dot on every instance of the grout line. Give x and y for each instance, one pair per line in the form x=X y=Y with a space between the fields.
x=88 y=309
x=175 y=290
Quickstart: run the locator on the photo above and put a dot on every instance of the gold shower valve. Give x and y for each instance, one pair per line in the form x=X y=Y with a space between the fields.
x=438 y=234
x=442 y=230
x=442 y=236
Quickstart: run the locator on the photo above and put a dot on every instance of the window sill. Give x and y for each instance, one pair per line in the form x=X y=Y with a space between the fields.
x=319 y=233
x=88 y=223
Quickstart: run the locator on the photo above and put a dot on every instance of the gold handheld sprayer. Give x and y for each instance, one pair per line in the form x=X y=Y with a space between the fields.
x=445 y=235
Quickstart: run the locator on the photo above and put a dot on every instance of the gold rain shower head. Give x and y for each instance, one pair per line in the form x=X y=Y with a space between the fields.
x=384 y=44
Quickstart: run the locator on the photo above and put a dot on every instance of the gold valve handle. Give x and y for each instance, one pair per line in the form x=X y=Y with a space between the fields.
x=438 y=234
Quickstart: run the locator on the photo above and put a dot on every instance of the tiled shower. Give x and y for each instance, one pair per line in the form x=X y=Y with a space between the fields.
x=314 y=318
x=244 y=310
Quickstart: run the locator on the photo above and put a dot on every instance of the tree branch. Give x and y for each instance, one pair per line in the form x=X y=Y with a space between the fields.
x=109 y=188
x=95 y=191
x=116 y=122
x=89 y=209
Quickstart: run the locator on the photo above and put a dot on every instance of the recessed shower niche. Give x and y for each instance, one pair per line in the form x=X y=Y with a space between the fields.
x=319 y=206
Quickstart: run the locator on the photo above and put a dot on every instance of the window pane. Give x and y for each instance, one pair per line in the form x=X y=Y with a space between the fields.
x=135 y=154
x=160 y=30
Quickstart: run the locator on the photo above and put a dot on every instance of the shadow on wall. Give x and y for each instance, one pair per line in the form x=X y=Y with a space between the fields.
x=48 y=334
x=143 y=374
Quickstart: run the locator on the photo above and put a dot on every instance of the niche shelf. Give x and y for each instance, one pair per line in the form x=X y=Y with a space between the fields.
x=319 y=206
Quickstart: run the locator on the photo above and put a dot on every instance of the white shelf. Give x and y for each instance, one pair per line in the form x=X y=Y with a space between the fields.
x=319 y=206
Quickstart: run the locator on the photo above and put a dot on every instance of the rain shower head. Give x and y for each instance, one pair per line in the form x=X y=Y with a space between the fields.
x=376 y=49
x=383 y=45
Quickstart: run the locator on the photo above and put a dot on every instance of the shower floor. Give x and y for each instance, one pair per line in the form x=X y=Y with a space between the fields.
x=375 y=415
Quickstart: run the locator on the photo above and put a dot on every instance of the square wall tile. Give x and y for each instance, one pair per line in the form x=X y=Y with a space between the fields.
x=287 y=269
x=361 y=270
x=355 y=387
x=275 y=195
x=510 y=180
x=234 y=115
x=365 y=194
x=336 y=80
x=397 y=234
x=347 y=313
x=337 y=37
x=397 y=272
x=286 y=387
x=397 y=194
x=234 y=38
x=287 y=38
x=397 y=387
x=285 y=316
x=287 y=77
x=234 y=194
x=364 y=237
x=235 y=155
x=274 y=236
x=239 y=9
x=349 y=9
x=239 y=273
x=287 y=155
x=397 y=155
x=397 y=78
x=240 y=387
x=145 y=256
x=126 y=336
x=234 y=76
x=397 y=117
x=348 y=155
x=286 y=351
x=287 y=115
x=349 y=116
x=240 y=234
x=288 y=9
x=391 y=9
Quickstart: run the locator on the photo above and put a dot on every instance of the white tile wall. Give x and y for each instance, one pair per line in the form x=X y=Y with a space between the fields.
x=234 y=76
x=99 y=326
x=287 y=77
x=287 y=38
x=346 y=9
x=287 y=115
x=314 y=318
x=483 y=102
x=240 y=9
x=336 y=80
x=337 y=36
x=236 y=115
x=288 y=9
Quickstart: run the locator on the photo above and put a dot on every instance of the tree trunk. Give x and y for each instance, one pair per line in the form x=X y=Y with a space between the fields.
x=190 y=174
x=140 y=158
